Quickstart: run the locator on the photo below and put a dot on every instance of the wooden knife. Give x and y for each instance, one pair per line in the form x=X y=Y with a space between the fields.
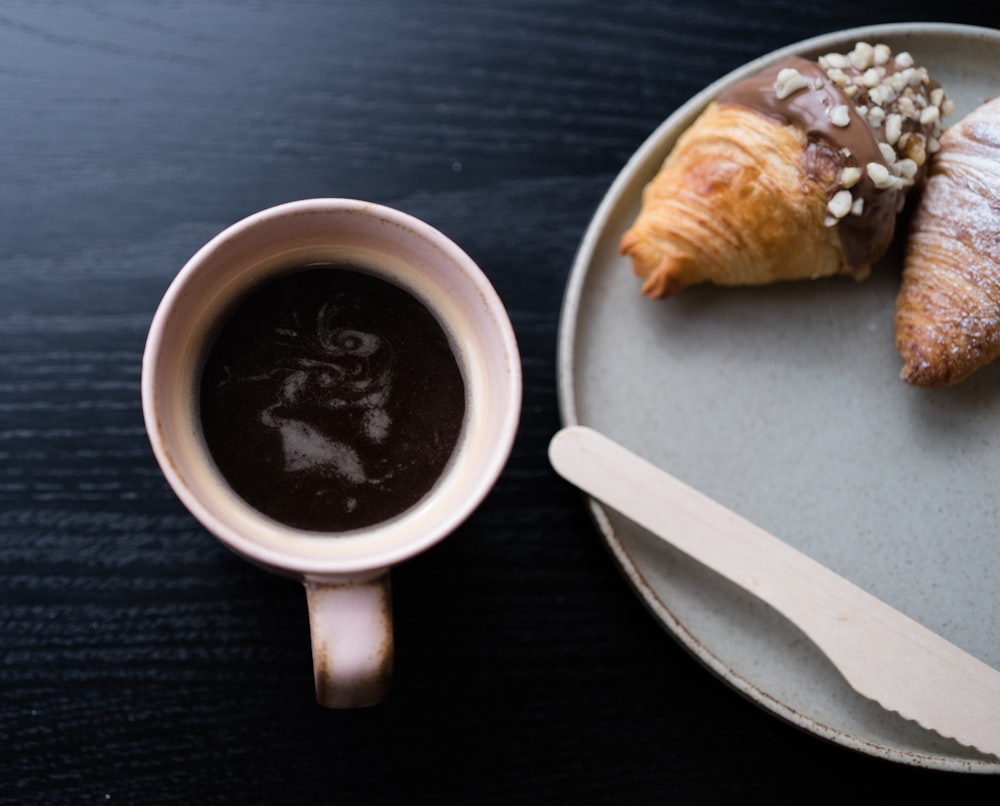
x=885 y=655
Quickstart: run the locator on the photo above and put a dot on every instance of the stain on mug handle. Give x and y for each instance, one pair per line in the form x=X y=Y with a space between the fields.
x=350 y=623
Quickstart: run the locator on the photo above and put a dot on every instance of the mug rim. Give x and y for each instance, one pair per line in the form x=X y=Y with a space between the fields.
x=364 y=551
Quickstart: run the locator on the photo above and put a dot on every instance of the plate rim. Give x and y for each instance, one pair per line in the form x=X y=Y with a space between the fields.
x=567 y=403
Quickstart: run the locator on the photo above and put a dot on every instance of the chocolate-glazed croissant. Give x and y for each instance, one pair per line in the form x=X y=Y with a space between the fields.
x=796 y=172
x=947 y=315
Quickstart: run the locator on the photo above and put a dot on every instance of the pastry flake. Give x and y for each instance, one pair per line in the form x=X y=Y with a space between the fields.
x=947 y=315
x=796 y=172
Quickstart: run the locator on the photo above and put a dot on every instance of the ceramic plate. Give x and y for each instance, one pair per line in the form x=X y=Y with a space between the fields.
x=785 y=404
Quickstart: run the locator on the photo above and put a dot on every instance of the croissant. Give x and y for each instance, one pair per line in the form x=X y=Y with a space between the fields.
x=796 y=172
x=947 y=315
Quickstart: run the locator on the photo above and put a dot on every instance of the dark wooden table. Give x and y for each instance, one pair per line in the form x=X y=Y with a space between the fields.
x=142 y=662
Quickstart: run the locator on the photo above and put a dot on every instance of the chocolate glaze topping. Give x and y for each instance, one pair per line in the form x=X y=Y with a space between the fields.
x=873 y=118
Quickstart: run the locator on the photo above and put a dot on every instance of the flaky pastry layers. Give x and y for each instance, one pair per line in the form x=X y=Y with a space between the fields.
x=796 y=172
x=947 y=316
x=734 y=205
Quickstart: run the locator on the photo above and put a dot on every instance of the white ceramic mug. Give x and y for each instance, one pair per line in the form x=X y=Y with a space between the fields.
x=346 y=576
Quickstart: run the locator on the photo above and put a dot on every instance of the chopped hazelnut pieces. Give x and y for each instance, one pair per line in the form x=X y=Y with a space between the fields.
x=840 y=115
x=789 y=81
x=840 y=204
x=900 y=103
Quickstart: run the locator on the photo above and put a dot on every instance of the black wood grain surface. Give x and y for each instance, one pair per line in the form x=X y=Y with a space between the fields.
x=142 y=662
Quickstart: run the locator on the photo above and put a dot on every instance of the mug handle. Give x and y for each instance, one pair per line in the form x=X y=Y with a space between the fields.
x=350 y=622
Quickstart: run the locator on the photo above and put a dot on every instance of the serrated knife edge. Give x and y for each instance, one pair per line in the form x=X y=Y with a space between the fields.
x=884 y=654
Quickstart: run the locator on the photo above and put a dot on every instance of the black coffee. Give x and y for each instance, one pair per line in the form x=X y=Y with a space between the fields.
x=331 y=399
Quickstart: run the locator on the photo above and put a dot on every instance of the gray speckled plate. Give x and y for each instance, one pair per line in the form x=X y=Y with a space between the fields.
x=785 y=404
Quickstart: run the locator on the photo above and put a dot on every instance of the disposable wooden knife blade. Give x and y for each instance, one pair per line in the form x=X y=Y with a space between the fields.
x=884 y=655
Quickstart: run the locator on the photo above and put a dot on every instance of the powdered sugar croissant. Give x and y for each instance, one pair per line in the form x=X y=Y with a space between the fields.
x=947 y=315
x=796 y=172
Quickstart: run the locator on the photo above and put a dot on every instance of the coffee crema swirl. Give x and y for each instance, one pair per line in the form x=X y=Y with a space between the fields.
x=331 y=399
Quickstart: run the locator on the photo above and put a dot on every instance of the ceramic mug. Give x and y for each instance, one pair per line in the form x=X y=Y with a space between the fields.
x=346 y=575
